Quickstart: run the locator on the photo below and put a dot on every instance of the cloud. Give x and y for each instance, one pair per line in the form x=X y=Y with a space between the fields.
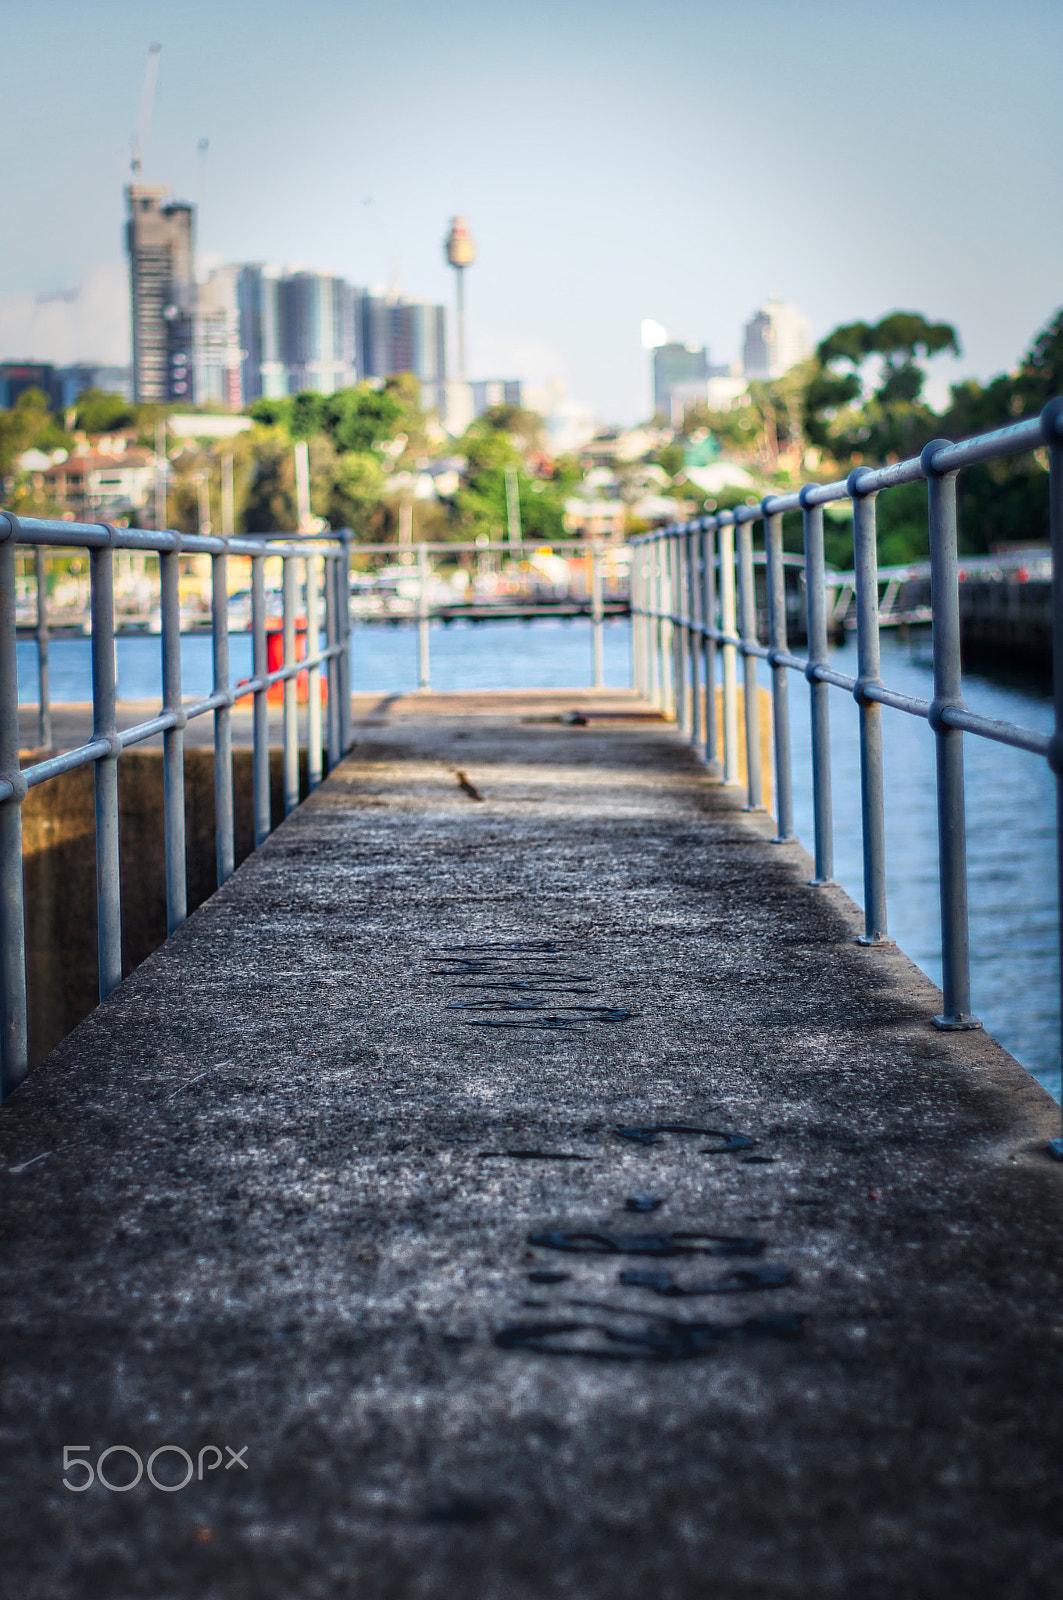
x=89 y=322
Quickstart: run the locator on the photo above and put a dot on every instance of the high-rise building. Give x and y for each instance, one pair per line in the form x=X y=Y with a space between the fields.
x=680 y=373
x=376 y=337
x=421 y=340
x=262 y=367
x=16 y=377
x=397 y=335
x=74 y=380
x=308 y=330
x=317 y=334
x=488 y=392
x=217 y=374
x=777 y=337
x=160 y=241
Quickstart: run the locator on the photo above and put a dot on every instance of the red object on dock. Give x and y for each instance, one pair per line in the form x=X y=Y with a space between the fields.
x=275 y=660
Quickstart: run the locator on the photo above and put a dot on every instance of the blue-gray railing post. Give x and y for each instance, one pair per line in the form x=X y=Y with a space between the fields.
x=423 y=659
x=707 y=546
x=224 y=810
x=645 y=551
x=948 y=694
x=343 y=598
x=44 y=696
x=260 y=702
x=747 y=597
x=684 y=709
x=670 y=643
x=332 y=676
x=818 y=691
x=105 y=730
x=695 y=623
x=291 y=707
x=872 y=808
x=14 y=1039
x=313 y=675
x=780 y=687
x=597 y=615
x=682 y=635
x=667 y=628
x=729 y=627
x=660 y=602
x=633 y=608
x=674 y=675
x=679 y=639
x=173 y=740
x=1051 y=425
x=656 y=685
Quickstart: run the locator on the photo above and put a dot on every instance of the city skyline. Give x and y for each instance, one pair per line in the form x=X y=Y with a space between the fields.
x=928 y=178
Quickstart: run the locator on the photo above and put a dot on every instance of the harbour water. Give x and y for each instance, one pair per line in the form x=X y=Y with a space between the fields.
x=1010 y=795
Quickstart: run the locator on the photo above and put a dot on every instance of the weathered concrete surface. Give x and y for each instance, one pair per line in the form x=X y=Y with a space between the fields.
x=246 y=1203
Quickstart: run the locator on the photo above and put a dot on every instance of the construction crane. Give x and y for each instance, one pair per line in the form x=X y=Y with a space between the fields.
x=147 y=100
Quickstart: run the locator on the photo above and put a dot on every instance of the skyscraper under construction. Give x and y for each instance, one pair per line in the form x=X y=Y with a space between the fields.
x=159 y=238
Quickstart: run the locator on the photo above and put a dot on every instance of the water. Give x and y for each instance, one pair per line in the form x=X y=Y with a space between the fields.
x=1010 y=795
x=545 y=654
x=1011 y=844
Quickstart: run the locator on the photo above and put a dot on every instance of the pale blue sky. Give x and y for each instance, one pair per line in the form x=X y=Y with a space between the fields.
x=616 y=161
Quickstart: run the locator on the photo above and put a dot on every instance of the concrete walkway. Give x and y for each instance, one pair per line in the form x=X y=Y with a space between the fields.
x=296 y=1191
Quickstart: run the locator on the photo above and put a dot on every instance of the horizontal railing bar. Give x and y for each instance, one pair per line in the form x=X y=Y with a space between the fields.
x=81 y=756
x=1010 y=441
x=146 y=730
x=870 y=480
x=839 y=679
x=782 y=658
x=1009 y=733
x=213 y=702
x=893 y=697
x=100 y=536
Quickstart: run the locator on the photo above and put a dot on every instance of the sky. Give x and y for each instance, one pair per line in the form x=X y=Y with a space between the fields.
x=616 y=161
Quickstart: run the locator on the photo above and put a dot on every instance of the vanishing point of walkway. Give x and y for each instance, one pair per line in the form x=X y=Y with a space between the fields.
x=304 y=1189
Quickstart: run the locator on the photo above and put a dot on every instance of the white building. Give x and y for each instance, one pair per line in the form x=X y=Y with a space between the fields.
x=777 y=337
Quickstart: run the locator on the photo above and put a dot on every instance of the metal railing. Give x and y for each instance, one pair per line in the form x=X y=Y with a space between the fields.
x=325 y=563
x=686 y=631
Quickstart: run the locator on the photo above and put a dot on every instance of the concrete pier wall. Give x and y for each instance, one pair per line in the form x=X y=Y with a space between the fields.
x=58 y=832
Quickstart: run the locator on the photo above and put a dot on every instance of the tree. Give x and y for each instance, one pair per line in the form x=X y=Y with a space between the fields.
x=307 y=416
x=96 y=411
x=359 y=419
x=271 y=412
x=29 y=423
x=502 y=440
x=893 y=420
x=1006 y=501
x=355 y=493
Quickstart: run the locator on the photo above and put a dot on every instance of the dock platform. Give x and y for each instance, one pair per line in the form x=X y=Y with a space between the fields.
x=525 y=1175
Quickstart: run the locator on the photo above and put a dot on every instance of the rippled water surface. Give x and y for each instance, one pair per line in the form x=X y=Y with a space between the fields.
x=1010 y=799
